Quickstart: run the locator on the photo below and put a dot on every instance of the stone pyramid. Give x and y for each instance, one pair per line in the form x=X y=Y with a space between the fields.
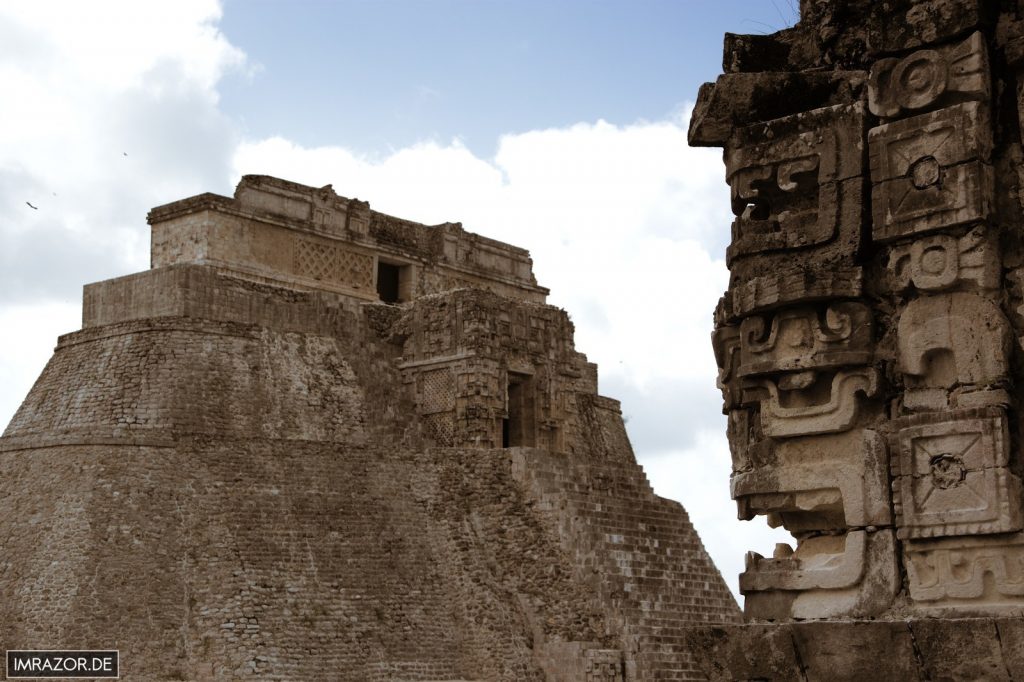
x=317 y=442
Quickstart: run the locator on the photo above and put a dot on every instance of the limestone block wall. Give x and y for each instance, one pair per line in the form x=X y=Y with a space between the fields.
x=312 y=238
x=213 y=558
x=206 y=293
x=461 y=352
x=198 y=377
x=869 y=343
x=259 y=247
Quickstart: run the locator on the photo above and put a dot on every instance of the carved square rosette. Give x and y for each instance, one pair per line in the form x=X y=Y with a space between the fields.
x=931 y=171
x=951 y=475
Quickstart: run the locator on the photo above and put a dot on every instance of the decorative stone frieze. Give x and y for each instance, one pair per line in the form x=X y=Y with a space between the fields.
x=931 y=171
x=869 y=344
x=929 y=78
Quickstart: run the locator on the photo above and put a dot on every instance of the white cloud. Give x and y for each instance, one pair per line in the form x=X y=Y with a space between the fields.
x=29 y=333
x=109 y=109
x=112 y=108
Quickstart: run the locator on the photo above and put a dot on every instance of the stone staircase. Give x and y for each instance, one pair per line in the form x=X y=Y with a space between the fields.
x=638 y=551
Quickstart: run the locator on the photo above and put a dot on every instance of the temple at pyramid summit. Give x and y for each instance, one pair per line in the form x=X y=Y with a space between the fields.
x=317 y=442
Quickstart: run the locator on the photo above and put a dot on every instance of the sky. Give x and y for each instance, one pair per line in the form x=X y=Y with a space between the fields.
x=556 y=126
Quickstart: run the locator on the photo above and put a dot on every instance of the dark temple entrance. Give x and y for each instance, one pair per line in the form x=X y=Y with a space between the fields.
x=519 y=428
x=388 y=279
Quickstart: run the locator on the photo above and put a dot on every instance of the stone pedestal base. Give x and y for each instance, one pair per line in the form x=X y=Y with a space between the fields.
x=921 y=649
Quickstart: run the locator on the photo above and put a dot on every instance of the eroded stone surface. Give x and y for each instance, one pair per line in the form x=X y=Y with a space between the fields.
x=916 y=649
x=869 y=345
x=930 y=78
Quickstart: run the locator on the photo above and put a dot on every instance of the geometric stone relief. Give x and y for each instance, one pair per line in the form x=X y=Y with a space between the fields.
x=953 y=339
x=806 y=337
x=931 y=171
x=436 y=391
x=838 y=562
x=854 y=574
x=440 y=427
x=872 y=379
x=930 y=77
x=832 y=493
x=358 y=217
x=949 y=136
x=435 y=397
x=785 y=177
x=799 y=285
x=603 y=665
x=819 y=483
x=939 y=262
x=806 y=403
x=989 y=571
x=328 y=210
x=951 y=475
x=330 y=263
x=726 y=343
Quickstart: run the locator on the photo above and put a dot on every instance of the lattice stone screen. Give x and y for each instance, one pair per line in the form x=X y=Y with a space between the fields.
x=436 y=391
x=326 y=262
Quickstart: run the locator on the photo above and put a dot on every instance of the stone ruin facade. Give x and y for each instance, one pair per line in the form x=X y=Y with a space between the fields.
x=870 y=343
x=317 y=442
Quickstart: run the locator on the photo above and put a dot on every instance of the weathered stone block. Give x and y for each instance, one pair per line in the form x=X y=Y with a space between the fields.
x=746 y=652
x=930 y=78
x=741 y=99
x=952 y=476
x=1010 y=633
x=966 y=572
x=806 y=338
x=905 y=24
x=856 y=651
x=789 y=286
x=754 y=53
x=940 y=262
x=795 y=182
x=953 y=339
x=931 y=171
x=959 y=650
x=917 y=649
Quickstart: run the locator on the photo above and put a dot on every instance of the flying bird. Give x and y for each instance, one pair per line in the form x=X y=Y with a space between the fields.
x=35 y=208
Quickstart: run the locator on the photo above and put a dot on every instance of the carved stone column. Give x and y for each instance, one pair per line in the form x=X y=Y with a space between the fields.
x=869 y=345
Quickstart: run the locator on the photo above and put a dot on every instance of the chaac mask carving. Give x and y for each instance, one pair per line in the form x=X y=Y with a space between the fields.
x=869 y=345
